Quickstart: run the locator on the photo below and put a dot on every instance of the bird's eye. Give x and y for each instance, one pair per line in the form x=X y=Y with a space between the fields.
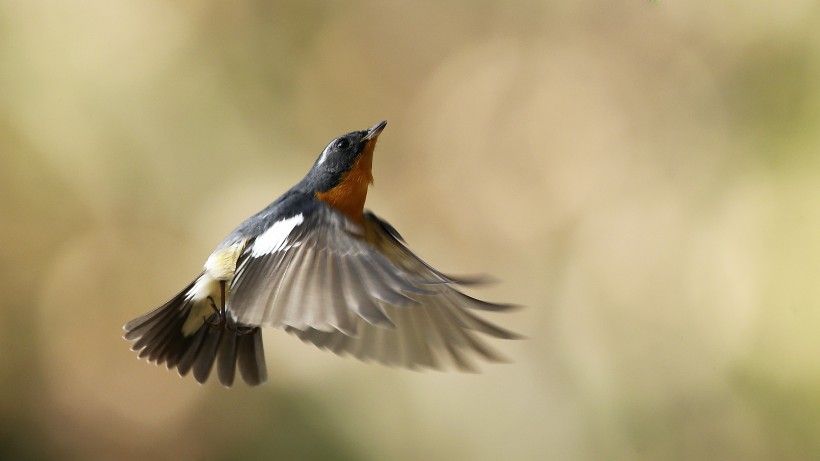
x=342 y=144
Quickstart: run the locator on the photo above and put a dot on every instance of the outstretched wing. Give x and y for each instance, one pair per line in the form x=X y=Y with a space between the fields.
x=357 y=289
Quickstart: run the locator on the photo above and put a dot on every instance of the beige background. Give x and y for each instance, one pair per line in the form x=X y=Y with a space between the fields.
x=644 y=177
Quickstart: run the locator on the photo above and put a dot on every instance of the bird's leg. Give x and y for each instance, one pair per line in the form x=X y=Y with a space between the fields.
x=242 y=330
x=218 y=320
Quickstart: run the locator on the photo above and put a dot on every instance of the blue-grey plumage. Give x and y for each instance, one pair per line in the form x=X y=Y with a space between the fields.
x=315 y=264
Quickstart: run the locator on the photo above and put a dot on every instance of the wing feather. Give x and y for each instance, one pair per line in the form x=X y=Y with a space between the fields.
x=359 y=290
x=334 y=294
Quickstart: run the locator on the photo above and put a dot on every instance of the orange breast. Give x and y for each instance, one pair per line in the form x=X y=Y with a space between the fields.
x=349 y=195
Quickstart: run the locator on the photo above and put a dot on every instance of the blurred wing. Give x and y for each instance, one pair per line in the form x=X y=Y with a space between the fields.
x=357 y=290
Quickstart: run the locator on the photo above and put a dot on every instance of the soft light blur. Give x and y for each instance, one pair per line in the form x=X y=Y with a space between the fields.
x=644 y=177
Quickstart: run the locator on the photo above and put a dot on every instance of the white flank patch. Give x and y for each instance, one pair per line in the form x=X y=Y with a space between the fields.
x=221 y=265
x=205 y=286
x=274 y=239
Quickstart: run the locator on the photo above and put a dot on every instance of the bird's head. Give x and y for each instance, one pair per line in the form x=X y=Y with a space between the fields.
x=347 y=158
x=343 y=171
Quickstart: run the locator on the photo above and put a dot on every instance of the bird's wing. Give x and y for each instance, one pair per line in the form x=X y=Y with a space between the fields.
x=357 y=290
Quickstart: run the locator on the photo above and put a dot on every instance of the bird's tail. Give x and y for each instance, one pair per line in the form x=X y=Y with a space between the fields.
x=159 y=337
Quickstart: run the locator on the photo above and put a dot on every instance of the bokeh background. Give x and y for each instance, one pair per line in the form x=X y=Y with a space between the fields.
x=643 y=176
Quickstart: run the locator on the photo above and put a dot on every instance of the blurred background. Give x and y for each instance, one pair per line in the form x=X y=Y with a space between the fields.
x=643 y=176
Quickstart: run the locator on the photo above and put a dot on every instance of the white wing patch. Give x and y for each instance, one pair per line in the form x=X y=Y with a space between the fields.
x=274 y=239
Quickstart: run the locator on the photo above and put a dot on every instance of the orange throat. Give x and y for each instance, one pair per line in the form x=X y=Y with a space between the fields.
x=349 y=195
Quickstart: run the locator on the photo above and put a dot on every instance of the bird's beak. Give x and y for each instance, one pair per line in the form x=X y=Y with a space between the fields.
x=374 y=132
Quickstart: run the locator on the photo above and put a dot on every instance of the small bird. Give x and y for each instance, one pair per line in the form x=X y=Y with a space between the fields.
x=319 y=266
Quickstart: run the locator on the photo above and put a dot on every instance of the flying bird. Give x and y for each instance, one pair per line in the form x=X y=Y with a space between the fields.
x=318 y=265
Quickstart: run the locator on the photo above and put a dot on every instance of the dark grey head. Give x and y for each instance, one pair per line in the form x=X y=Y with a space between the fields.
x=339 y=157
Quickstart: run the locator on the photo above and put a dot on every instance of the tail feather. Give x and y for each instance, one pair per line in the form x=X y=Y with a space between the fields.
x=207 y=354
x=188 y=356
x=226 y=361
x=158 y=337
x=251 y=358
